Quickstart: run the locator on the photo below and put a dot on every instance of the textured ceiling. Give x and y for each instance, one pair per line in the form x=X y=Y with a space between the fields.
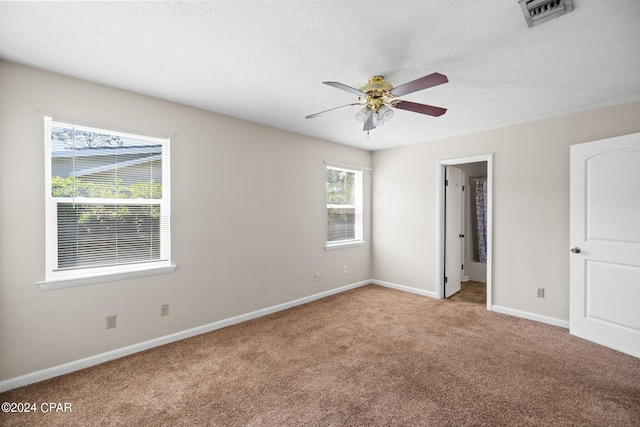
x=264 y=61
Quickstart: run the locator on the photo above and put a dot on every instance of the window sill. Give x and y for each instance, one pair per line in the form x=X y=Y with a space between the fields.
x=70 y=282
x=342 y=245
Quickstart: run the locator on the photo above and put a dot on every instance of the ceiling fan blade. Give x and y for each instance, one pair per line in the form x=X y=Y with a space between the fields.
x=368 y=125
x=419 y=84
x=311 y=116
x=420 y=108
x=345 y=87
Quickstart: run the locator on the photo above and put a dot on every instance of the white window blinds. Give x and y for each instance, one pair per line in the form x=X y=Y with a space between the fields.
x=108 y=200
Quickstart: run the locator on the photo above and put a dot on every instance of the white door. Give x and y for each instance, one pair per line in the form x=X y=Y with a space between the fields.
x=605 y=242
x=453 y=231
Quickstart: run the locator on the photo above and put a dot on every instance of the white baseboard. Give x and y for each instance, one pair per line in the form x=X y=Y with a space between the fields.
x=531 y=316
x=77 y=365
x=404 y=288
x=496 y=308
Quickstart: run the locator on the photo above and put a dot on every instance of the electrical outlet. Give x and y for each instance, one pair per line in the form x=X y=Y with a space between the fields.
x=540 y=292
x=345 y=269
x=317 y=276
x=164 y=310
x=111 y=321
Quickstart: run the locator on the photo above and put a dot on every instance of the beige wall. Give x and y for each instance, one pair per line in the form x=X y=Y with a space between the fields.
x=232 y=184
x=530 y=207
x=248 y=222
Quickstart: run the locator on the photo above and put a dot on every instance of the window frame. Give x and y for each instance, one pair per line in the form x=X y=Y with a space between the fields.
x=358 y=239
x=97 y=274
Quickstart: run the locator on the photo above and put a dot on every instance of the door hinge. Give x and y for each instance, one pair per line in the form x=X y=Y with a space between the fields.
x=463 y=188
x=462 y=267
x=445 y=279
x=446 y=182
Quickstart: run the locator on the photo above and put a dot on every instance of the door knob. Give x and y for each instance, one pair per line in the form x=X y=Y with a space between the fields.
x=575 y=250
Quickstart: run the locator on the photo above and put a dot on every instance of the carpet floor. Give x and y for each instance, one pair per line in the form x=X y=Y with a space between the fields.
x=371 y=356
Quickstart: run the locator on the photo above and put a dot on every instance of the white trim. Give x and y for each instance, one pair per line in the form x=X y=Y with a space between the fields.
x=440 y=176
x=48 y=206
x=405 y=288
x=77 y=365
x=343 y=245
x=72 y=282
x=531 y=316
x=165 y=218
x=498 y=309
x=343 y=165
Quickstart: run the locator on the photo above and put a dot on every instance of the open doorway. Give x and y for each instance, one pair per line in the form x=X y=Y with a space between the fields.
x=465 y=228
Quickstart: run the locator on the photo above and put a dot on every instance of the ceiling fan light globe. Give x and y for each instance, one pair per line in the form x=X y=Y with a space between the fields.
x=363 y=115
x=377 y=119
x=385 y=113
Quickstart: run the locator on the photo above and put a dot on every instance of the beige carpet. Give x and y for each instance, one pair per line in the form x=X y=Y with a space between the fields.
x=368 y=357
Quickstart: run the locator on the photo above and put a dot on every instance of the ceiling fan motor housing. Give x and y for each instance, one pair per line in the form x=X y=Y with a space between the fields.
x=377 y=84
x=377 y=90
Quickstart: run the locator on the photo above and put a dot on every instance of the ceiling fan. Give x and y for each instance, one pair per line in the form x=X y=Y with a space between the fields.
x=379 y=97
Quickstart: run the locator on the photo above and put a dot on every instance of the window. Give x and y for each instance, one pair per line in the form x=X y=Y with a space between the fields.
x=108 y=205
x=344 y=206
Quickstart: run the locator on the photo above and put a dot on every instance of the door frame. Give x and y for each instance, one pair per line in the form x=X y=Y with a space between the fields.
x=441 y=215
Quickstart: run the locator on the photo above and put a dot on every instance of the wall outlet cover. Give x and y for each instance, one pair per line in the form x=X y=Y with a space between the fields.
x=112 y=321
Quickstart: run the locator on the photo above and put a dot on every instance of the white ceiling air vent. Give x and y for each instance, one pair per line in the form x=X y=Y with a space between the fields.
x=539 y=11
